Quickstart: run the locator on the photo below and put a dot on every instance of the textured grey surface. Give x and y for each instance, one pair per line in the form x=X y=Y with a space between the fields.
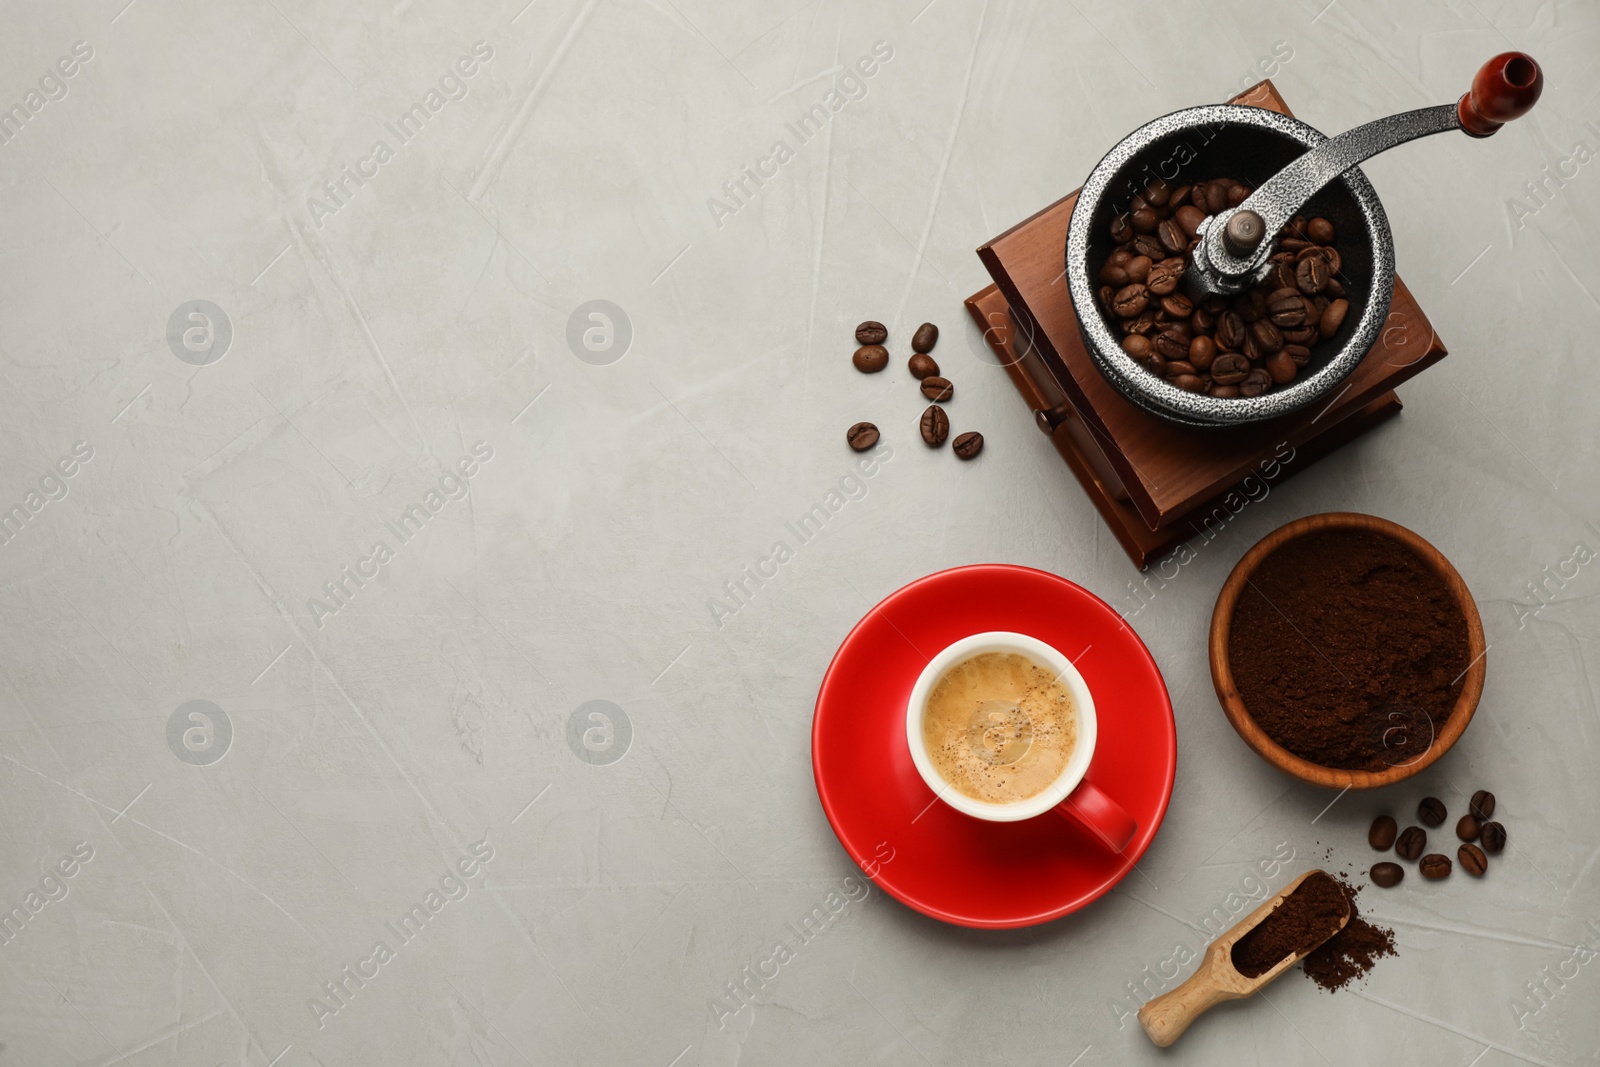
x=376 y=337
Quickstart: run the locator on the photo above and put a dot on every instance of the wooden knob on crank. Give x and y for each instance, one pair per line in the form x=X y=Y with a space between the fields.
x=1504 y=88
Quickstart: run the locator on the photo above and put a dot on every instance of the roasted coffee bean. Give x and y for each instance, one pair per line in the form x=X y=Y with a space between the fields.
x=1300 y=335
x=1172 y=344
x=1156 y=364
x=1255 y=383
x=921 y=365
x=1299 y=353
x=871 y=333
x=1286 y=307
x=1282 y=367
x=1294 y=244
x=1130 y=300
x=1320 y=231
x=1137 y=268
x=937 y=389
x=1106 y=293
x=1492 y=836
x=1335 y=287
x=1165 y=276
x=1223 y=390
x=1145 y=245
x=1311 y=275
x=1180 y=197
x=1382 y=833
x=1229 y=368
x=1267 y=336
x=1202 y=351
x=1230 y=330
x=1137 y=346
x=968 y=445
x=1482 y=804
x=1467 y=827
x=935 y=426
x=1473 y=861
x=1145 y=323
x=862 y=436
x=1238 y=194
x=1171 y=236
x=1251 y=348
x=1282 y=276
x=1177 y=367
x=1145 y=220
x=1189 y=218
x=870 y=359
x=1122 y=228
x=1203 y=321
x=1387 y=875
x=1157 y=192
x=1178 y=306
x=1434 y=866
x=1335 y=262
x=925 y=338
x=1411 y=842
x=1431 y=811
x=1190 y=383
x=1333 y=318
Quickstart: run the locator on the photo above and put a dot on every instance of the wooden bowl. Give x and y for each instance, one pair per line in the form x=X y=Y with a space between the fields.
x=1276 y=754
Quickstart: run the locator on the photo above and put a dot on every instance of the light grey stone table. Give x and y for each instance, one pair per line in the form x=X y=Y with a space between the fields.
x=342 y=502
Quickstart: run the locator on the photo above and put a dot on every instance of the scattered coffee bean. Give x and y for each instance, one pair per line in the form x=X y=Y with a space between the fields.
x=1473 y=861
x=870 y=359
x=1492 y=836
x=1320 y=231
x=925 y=338
x=937 y=389
x=968 y=444
x=1467 y=828
x=862 y=436
x=1411 y=842
x=871 y=333
x=922 y=365
x=1383 y=832
x=935 y=426
x=1387 y=875
x=1434 y=866
x=1431 y=811
x=1482 y=804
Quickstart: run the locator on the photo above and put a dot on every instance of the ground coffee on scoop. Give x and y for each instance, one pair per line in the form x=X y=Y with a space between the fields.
x=1348 y=650
x=1351 y=952
x=1304 y=919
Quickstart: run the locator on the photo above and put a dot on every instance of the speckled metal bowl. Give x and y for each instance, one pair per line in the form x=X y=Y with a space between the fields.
x=1251 y=145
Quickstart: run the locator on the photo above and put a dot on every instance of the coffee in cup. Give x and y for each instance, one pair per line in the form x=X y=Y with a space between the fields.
x=999 y=727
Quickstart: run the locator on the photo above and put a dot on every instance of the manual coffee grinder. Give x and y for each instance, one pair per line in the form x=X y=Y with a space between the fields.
x=1161 y=464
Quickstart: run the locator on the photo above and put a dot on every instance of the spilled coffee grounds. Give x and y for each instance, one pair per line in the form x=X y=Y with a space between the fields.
x=1350 y=953
x=1348 y=650
x=1304 y=919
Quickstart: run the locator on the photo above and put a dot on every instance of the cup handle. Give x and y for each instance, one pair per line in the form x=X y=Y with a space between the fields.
x=1089 y=807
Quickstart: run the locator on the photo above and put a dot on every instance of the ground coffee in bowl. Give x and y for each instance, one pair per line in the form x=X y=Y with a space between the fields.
x=1346 y=647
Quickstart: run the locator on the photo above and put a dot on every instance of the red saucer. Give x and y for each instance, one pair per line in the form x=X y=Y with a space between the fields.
x=928 y=855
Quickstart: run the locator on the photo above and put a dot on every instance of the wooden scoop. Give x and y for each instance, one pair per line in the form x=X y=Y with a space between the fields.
x=1216 y=979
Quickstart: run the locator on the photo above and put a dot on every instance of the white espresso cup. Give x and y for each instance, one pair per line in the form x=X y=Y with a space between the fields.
x=1069 y=795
